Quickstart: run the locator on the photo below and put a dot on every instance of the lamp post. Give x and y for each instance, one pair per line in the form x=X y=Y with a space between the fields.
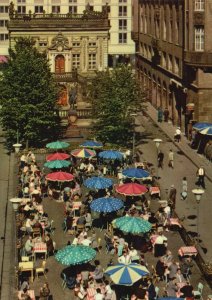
x=198 y=194
x=15 y=202
x=17 y=145
x=157 y=144
x=133 y=141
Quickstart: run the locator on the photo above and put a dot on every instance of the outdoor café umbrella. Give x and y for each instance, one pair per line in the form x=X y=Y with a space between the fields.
x=57 y=164
x=91 y=144
x=60 y=176
x=75 y=255
x=57 y=156
x=206 y=131
x=126 y=274
x=134 y=225
x=135 y=173
x=111 y=154
x=200 y=126
x=83 y=153
x=57 y=145
x=106 y=205
x=170 y=298
x=98 y=183
x=131 y=189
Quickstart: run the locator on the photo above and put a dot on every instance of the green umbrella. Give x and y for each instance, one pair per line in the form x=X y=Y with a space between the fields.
x=75 y=255
x=134 y=225
x=57 y=164
x=57 y=145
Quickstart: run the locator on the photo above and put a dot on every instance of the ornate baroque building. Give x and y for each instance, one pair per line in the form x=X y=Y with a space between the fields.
x=174 y=56
x=76 y=46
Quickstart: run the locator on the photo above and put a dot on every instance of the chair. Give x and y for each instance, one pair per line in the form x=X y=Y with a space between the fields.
x=198 y=292
x=36 y=232
x=63 y=275
x=156 y=277
x=157 y=290
x=42 y=269
x=24 y=258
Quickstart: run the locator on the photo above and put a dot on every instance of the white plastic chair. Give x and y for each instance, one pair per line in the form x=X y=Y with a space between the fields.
x=157 y=290
x=198 y=292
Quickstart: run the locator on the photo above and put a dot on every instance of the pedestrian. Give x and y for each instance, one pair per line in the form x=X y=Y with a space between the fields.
x=171 y=159
x=201 y=177
x=184 y=192
x=166 y=115
x=177 y=135
x=160 y=159
x=172 y=197
x=160 y=114
x=44 y=292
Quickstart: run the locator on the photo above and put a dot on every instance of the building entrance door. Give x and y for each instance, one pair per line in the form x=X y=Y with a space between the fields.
x=59 y=64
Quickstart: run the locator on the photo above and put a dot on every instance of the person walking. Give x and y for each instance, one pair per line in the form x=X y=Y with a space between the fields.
x=177 y=135
x=172 y=198
x=184 y=192
x=171 y=159
x=160 y=159
x=201 y=177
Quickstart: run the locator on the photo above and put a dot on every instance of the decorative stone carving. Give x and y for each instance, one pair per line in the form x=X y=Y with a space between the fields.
x=60 y=43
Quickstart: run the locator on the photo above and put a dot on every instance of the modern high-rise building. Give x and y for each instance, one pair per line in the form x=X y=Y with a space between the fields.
x=120 y=46
x=174 y=56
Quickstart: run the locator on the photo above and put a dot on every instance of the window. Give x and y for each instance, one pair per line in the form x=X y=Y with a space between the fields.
x=56 y=9
x=38 y=9
x=176 y=65
x=21 y=9
x=92 y=61
x=75 y=61
x=4 y=9
x=164 y=30
x=92 y=44
x=163 y=59
x=199 y=5
x=122 y=1
x=21 y=1
x=73 y=9
x=123 y=38
x=3 y=37
x=199 y=33
x=76 y=44
x=123 y=24
x=169 y=63
x=3 y=23
x=122 y=11
x=72 y=1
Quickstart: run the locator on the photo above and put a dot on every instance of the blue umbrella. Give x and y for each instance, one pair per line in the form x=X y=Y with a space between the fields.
x=98 y=183
x=126 y=274
x=135 y=173
x=91 y=144
x=206 y=131
x=111 y=154
x=106 y=205
x=200 y=126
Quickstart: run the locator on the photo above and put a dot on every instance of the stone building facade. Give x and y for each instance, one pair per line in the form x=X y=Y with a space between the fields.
x=174 y=56
x=76 y=46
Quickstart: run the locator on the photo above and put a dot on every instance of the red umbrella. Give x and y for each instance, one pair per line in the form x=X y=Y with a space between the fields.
x=131 y=189
x=57 y=156
x=60 y=176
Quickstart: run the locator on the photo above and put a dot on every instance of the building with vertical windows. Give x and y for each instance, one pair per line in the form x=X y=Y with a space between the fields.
x=120 y=47
x=174 y=56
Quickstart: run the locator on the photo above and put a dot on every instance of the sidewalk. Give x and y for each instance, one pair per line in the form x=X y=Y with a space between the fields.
x=197 y=159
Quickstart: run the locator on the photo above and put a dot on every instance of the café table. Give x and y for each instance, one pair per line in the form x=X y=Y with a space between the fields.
x=40 y=247
x=154 y=190
x=187 y=250
x=27 y=266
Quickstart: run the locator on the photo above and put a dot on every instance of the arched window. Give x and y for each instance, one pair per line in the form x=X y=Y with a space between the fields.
x=59 y=64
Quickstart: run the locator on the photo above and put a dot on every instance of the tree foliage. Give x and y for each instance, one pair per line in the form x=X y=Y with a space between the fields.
x=28 y=96
x=115 y=95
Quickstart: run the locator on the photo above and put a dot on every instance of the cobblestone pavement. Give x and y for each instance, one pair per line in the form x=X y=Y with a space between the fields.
x=147 y=151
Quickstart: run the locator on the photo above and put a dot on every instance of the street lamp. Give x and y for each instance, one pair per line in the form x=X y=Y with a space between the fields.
x=133 y=141
x=157 y=144
x=198 y=194
x=15 y=202
x=17 y=145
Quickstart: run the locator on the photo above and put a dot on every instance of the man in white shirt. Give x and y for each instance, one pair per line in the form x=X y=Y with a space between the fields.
x=86 y=241
x=201 y=177
x=99 y=295
x=28 y=245
x=124 y=259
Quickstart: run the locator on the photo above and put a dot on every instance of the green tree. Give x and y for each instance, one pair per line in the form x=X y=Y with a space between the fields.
x=115 y=95
x=28 y=97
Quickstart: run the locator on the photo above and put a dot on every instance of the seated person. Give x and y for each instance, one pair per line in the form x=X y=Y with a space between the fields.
x=98 y=272
x=28 y=245
x=24 y=295
x=99 y=295
x=49 y=244
x=187 y=291
x=86 y=241
x=79 y=291
x=160 y=268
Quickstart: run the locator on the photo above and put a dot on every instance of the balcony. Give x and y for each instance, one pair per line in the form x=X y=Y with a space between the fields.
x=66 y=77
x=198 y=58
x=84 y=113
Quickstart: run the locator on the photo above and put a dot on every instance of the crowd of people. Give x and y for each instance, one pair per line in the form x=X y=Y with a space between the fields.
x=96 y=231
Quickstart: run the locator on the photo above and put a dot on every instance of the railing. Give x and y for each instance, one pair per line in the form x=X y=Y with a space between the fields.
x=65 y=77
x=84 y=113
